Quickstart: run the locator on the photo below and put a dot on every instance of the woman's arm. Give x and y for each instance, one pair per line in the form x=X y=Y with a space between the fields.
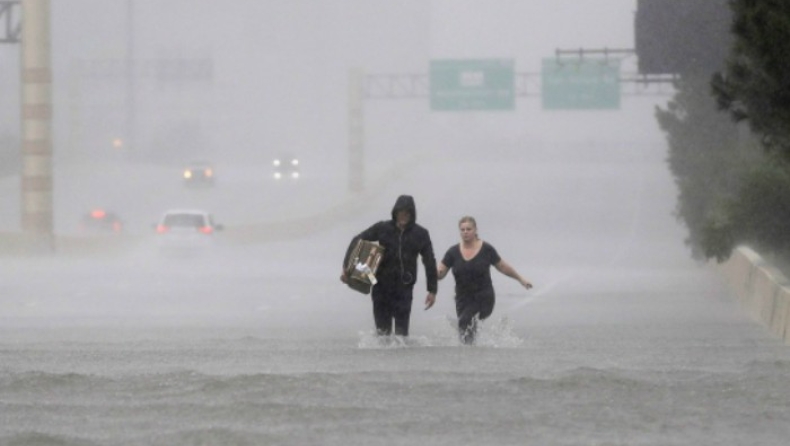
x=504 y=268
x=441 y=270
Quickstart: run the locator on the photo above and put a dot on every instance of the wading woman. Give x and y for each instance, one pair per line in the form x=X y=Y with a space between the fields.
x=471 y=261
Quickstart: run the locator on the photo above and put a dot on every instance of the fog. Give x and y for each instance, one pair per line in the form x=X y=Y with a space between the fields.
x=580 y=202
x=278 y=74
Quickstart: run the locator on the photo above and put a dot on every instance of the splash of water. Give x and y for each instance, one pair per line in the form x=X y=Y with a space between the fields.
x=491 y=334
x=371 y=340
x=497 y=334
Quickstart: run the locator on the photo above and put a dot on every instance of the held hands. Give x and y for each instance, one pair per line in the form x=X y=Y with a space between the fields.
x=430 y=299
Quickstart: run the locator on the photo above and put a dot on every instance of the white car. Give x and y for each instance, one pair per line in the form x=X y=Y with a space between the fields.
x=186 y=231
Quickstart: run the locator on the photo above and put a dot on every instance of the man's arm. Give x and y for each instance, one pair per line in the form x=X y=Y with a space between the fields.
x=429 y=262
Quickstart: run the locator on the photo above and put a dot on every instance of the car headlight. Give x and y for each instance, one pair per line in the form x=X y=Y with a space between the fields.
x=187 y=174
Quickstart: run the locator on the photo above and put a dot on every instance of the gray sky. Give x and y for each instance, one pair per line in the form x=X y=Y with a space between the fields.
x=280 y=71
x=528 y=30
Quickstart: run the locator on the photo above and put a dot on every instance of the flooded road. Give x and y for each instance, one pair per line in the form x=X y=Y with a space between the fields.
x=624 y=340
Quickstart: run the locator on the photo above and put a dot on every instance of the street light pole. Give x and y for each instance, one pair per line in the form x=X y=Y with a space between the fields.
x=130 y=81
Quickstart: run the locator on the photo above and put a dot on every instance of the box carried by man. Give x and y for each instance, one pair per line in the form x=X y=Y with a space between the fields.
x=362 y=265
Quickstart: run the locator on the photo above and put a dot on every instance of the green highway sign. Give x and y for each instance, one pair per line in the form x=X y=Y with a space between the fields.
x=472 y=84
x=586 y=84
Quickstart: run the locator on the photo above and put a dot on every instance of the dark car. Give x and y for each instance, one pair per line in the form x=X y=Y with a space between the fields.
x=286 y=167
x=199 y=174
x=100 y=221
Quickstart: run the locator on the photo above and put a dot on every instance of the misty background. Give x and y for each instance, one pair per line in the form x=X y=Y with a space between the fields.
x=624 y=339
x=273 y=76
x=564 y=190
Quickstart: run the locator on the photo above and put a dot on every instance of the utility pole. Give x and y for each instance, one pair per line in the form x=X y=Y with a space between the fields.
x=36 y=178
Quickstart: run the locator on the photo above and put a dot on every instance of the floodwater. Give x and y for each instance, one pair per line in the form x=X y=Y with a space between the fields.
x=623 y=340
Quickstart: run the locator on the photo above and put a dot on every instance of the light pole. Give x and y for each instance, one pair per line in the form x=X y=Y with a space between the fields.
x=130 y=81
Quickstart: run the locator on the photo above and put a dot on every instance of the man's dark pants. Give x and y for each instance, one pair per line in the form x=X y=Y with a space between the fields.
x=392 y=304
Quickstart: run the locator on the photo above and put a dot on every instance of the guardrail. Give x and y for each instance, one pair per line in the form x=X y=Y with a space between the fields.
x=763 y=290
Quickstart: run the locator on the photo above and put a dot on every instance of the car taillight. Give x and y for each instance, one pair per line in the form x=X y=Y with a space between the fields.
x=98 y=214
x=208 y=173
x=116 y=226
x=206 y=229
x=161 y=229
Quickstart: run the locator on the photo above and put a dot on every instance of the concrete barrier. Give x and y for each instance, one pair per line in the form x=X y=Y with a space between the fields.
x=19 y=243
x=27 y=244
x=763 y=290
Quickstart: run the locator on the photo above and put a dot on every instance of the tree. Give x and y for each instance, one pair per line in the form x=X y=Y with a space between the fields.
x=755 y=85
x=708 y=159
x=735 y=186
x=757 y=215
x=755 y=88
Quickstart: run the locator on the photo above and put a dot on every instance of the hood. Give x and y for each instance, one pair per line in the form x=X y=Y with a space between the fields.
x=405 y=202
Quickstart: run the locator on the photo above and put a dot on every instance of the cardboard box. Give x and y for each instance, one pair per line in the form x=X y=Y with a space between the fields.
x=363 y=264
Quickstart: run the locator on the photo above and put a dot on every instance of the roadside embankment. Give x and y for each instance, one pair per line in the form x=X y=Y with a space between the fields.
x=762 y=289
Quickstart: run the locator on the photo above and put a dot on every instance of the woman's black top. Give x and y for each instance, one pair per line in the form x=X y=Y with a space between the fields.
x=471 y=275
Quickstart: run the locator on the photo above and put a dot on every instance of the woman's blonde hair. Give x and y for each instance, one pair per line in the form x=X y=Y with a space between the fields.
x=469 y=219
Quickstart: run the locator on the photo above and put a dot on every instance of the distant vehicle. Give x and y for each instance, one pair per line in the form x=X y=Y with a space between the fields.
x=286 y=167
x=186 y=230
x=100 y=221
x=199 y=174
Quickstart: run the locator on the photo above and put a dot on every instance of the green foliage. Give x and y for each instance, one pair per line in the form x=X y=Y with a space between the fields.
x=761 y=211
x=706 y=156
x=717 y=236
x=755 y=86
x=757 y=215
x=734 y=188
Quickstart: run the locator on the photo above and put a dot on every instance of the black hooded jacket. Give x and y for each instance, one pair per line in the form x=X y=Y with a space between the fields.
x=398 y=265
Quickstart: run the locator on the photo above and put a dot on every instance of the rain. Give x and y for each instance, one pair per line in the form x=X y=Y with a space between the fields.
x=247 y=336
